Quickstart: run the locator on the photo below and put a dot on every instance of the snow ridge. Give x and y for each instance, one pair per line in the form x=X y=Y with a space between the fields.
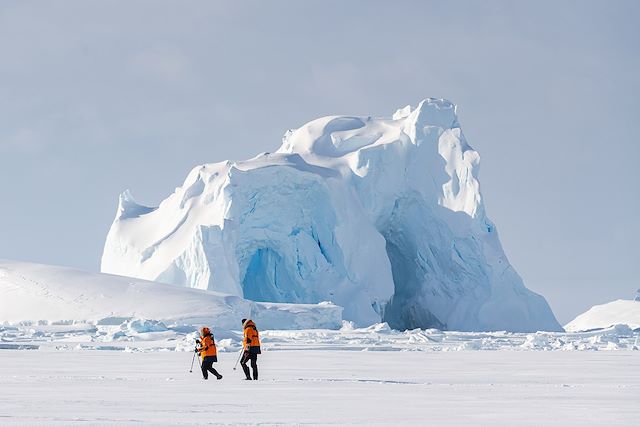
x=382 y=216
x=618 y=312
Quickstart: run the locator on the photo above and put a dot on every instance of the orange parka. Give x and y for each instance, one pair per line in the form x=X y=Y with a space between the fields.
x=207 y=345
x=251 y=341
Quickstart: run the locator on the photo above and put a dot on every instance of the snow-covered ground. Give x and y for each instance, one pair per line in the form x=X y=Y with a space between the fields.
x=94 y=349
x=311 y=387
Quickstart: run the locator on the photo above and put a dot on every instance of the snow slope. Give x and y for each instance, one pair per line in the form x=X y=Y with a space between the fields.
x=619 y=312
x=32 y=293
x=382 y=216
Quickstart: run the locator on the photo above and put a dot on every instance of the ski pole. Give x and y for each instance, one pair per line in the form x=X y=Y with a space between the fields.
x=239 y=357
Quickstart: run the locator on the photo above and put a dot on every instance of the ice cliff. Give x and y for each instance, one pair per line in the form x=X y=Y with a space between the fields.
x=382 y=216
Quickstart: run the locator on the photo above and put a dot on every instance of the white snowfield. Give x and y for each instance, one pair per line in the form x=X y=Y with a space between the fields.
x=382 y=216
x=43 y=294
x=605 y=315
x=492 y=388
x=366 y=376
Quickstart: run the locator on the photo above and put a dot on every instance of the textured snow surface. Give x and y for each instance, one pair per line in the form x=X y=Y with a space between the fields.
x=136 y=334
x=382 y=216
x=624 y=312
x=314 y=387
x=58 y=296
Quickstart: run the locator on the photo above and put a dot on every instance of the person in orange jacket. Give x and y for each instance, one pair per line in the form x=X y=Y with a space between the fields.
x=208 y=352
x=251 y=344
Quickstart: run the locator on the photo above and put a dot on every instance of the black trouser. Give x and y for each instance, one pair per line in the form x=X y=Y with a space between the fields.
x=207 y=365
x=254 y=364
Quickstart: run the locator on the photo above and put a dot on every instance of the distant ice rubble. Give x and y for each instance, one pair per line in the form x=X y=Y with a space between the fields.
x=144 y=335
x=382 y=216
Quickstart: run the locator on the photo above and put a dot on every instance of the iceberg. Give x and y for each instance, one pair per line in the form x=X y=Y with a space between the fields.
x=382 y=216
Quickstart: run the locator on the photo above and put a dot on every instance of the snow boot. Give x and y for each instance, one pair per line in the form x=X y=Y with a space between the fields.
x=245 y=368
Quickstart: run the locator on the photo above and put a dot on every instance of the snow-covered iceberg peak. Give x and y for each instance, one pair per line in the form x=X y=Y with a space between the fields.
x=128 y=208
x=382 y=216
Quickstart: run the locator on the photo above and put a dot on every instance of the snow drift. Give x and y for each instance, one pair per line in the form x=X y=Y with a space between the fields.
x=619 y=312
x=382 y=216
x=33 y=293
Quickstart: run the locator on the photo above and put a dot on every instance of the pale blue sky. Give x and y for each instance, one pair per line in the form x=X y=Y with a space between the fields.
x=96 y=97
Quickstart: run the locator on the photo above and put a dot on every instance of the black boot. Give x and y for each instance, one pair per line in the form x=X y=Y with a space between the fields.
x=255 y=373
x=245 y=368
x=216 y=373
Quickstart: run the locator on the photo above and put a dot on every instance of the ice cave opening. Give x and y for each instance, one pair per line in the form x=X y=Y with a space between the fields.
x=266 y=278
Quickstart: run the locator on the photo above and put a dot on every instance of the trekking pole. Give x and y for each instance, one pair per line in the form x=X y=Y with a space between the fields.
x=239 y=357
x=192 y=360
x=195 y=351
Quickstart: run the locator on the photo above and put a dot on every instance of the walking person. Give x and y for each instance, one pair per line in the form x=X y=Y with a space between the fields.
x=251 y=344
x=208 y=352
